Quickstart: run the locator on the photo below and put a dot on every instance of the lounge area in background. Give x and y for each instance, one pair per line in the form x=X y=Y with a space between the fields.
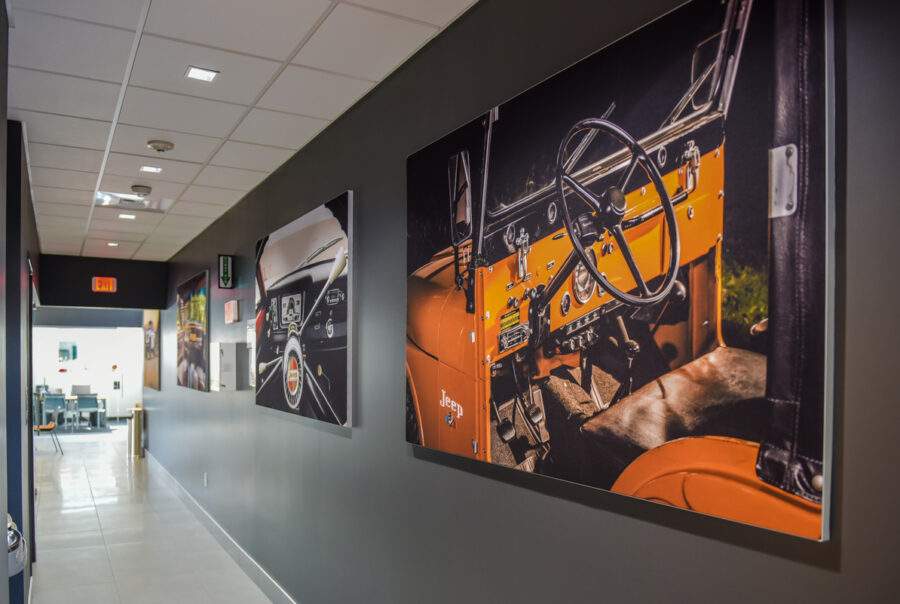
x=87 y=369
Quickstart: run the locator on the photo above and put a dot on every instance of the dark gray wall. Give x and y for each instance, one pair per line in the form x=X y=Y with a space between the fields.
x=361 y=517
x=68 y=282
x=22 y=252
x=49 y=316
x=4 y=37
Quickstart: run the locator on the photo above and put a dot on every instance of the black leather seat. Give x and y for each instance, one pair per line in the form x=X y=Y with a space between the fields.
x=721 y=393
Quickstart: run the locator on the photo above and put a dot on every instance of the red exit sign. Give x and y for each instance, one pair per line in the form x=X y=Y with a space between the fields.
x=104 y=285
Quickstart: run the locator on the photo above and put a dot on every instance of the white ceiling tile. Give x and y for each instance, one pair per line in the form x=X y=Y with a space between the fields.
x=69 y=179
x=98 y=248
x=157 y=248
x=58 y=195
x=173 y=224
x=65 y=46
x=279 y=129
x=162 y=63
x=67 y=223
x=251 y=157
x=60 y=235
x=154 y=109
x=69 y=249
x=362 y=43
x=116 y=235
x=62 y=130
x=66 y=95
x=194 y=208
x=162 y=194
x=154 y=254
x=172 y=171
x=169 y=240
x=230 y=178
x=141 y=218
x=120 y=13
x=313 y=93
x=69 y=158
x=216 y=195
x=437 y=12
x=122 y=226
x=268 y=28
x=188 y=147
x=62 y=209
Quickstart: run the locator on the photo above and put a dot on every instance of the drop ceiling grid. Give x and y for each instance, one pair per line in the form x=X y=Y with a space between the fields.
x=234 y=149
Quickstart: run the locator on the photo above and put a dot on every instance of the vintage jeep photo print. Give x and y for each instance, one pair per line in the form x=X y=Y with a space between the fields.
x=620 y=278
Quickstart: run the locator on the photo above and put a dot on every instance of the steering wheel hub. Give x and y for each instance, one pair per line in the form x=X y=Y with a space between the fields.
x=609 y=209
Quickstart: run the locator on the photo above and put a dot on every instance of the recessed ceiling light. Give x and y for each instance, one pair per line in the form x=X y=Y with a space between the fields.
x=151 y=169
x=198 y=73
x=112 y=243
x=127 y=216
x=160 y=146
x=141 y=190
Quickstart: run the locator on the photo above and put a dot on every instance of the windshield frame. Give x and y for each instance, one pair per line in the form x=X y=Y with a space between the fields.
x=673 y=127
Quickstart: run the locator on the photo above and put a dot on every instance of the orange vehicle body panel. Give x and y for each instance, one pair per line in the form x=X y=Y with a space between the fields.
x=450 y=351
x=717 y=476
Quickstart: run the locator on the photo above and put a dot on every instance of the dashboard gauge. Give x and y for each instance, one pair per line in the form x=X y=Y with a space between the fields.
x=582 y=282
x=291 y=309
x=565 y=304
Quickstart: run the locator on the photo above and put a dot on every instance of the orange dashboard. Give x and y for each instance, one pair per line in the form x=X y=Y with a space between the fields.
x=502 y=297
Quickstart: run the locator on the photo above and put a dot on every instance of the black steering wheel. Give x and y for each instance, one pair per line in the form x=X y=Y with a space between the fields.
x=608 y=209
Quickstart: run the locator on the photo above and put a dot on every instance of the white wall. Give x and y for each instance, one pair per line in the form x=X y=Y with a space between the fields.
x=99 y=348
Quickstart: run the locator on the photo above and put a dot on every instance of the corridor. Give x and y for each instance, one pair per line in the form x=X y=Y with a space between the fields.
x=111 y=530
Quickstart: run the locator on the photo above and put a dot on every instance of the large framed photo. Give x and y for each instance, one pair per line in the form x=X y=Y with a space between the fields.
x=621 y=277
x=304 y=312
x=151 y=349
x=192 y=302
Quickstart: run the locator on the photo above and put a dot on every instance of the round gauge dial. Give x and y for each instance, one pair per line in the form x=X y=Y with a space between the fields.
x=565 y=304
x=582 y=282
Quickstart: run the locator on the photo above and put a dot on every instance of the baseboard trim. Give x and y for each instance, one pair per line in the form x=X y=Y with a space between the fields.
x=266 y=582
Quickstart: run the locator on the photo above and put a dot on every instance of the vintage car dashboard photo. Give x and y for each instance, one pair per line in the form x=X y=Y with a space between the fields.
x=302 y=315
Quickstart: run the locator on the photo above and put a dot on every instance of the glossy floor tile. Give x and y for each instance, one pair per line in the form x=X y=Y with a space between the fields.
x=111 y=530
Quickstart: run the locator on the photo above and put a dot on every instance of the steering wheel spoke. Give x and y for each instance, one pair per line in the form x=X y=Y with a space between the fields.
x=588 y=197
x=629 y=171
x=633 y=268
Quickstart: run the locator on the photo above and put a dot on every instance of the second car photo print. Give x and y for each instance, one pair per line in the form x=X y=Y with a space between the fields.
x=304 y=314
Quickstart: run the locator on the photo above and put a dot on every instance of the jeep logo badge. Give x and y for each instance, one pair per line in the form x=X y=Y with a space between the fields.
x=455 y=408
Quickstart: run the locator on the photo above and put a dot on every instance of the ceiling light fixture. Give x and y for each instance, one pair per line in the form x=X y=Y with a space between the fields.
x=151 y=169
x=141 y=190
x=160 y=146
x=128 y=216
x=199 y=73
x=112 y=243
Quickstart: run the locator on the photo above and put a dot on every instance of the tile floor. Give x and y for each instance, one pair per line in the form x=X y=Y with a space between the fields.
x=111 y=530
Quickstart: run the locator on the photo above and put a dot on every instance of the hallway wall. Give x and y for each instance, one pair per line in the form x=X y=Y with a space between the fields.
x=362 y=517
x=22 y=251
x=4 y=38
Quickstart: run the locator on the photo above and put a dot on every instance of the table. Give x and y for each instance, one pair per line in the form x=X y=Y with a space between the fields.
x=97 y=414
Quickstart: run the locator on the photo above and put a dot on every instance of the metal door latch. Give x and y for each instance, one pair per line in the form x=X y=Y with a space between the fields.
x=783 y=181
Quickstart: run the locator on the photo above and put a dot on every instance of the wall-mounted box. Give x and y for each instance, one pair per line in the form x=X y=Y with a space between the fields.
x=228 y=368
